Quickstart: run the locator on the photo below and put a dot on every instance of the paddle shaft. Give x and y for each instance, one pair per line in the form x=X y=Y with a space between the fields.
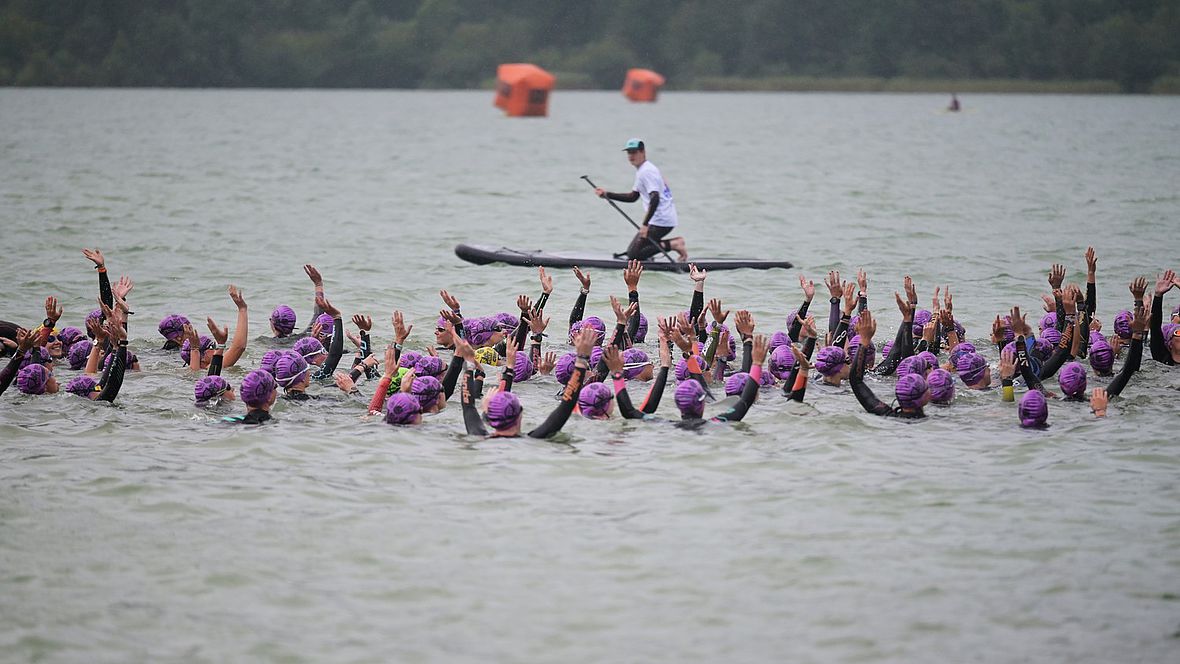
x=632 y=221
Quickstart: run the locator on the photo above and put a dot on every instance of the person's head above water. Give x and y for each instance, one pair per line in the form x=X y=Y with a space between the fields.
x=636 y=152
x=1033 y=410
x=282 y=320
x=503 y=411
x=690 y=399
x=258 y=390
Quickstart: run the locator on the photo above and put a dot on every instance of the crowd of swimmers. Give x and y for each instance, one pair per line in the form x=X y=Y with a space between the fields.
x=733 y=368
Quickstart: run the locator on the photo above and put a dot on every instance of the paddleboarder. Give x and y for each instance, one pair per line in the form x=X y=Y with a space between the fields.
x=661 y=210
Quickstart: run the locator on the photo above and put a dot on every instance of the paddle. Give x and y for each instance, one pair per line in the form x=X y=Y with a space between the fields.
x=679 y=265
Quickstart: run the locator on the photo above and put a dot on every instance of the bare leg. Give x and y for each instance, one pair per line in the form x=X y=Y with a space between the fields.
x=678 y=245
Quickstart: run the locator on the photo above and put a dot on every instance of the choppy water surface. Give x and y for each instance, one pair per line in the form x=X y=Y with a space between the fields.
x=149 y=532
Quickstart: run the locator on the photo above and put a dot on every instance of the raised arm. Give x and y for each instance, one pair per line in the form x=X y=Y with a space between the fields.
x=1134 y=358
x=631 y=277
x=584 y=342
x=614 y=362
x=866 y=328
x=318 y=281
x=1159 y=345
x=808 y=288
x=242 y=329
x=579 y=309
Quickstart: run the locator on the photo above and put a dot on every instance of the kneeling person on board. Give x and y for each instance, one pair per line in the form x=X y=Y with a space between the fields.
x=661 y=211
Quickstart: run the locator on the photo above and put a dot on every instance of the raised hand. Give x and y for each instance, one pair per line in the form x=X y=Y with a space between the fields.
x=1007 y=364
x=26 y=340
x=715 y=309
x=548 y=361
x=697 y=275
x=807 y=331
x=928 y=331
x=53 y=310
x=191 y=335
x=464 y=349
x=808 y=288
x=997 y=330
x=1069 y=300
x=583 y=277
x=344 y=382
x=1056 y=275
x=1165 y=283
x=523 y=303
x=613 y=359
x=866 y=327
x=220 y=334
x=1138 y=287
x=911 y=291
x=323 y=303
x=510 y=354
x=356 y=341
x=849 y=297
x=947 y=302
x=362 y=322
x=743 y=322
x=584 y=341
x=95 y=330
x=1099 y=401
x=862 y=280
x=546 y=280
x=800 y=358
x=1050 y=304
x=832 y=281
x=1019 y=325
x=934 y=306
x=906 y=309
x=314 y=275
x=1139 y=319
x=316 y=329
x=95 y=256
x=632 y=274
x=236 y=295
x=122 y=287
x=115 y=331
x=620 y=317
x=1095 y=324
x=390 y=367
x=758 y=352
x=401 y=332
x=682 y=341
x=1091 y=261
x=451 y=317
x=407 y=383
x=537 y=324
x=450 y=300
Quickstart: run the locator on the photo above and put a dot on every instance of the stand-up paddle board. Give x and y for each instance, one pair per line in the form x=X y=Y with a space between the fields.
x=483 y=254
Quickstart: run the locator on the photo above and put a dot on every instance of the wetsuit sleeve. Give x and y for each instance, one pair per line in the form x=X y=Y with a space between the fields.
x=215 y=366
x=376 y=404
x=561 y=414
x=10 y=369
x=1159 y=345
x=695 y=308
x=452 y=376
x=1084 y=330
x=1091 y=298
x=747 y=355
x=1129 y=367
x=1026 y=372
x=633 y=321
x=652 y=401
x=1059 y=306
x=1060 y=355
x=620 y=339
x=507 y=375
x=114 y=380
x=522 y=334
x=833 y=316
x=794 y=326
x=841 y=337
x=796 y=385
x=629 y=197
x=653 y=203
x=578 y=311
x=903 y=347
x=626 y=409
x=749 y=393
x=104 y=288
x=471 y=418
x=856 y=380
x=539 y=305
x=336 y=350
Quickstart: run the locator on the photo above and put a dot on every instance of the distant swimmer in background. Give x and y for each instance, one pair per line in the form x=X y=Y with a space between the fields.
x=661 y=210
x=954 y=107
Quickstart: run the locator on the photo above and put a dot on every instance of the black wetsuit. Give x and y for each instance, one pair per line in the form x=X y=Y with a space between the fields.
x=252 y=417
x=903 y=347
x=335 y=352
x=868 y=400
x=1159 y=345
x=1132 y=365
x=552 y=424
x=734 y=414
x=650 y=402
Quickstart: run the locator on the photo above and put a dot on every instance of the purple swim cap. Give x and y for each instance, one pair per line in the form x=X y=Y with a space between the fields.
x=1009 y=335
x=641 y=331
x=308 y=347
x=914 y=364
x=942 y=386
x=767 y=380
x=636 y=357
x=564 y=368
x=409 y=358
x=206 y=344
x=854 y=348
x=830 y=360
x=506 y=321
x=479 y=330
x=736 y=383
x=959 y=351
x=1168 y=330
x=257 y=388
x=171 y=327
x=594 y=400
x=681 y=368
x=523 y=369
x=1051 y=335
x=910 y=390
x=283 y=320
x=290 y=369
x=886 y=347
x=690 y=398
x=930 y=358
x=1072 y=379
x=1101 y=358
x=777 y=339
x=971 y=368
x=70 y=336
x=209 y=388
x=427 y=389
x=95 y=315
x=595 y=356
x=327 y=324
x=79 y=353
x=596 y=323
x=781 y=362
x=1049 y=320
x=1042 y=348
x=1033 y=409
x=129 y=359
x=429 y=365
x=504 y=411
x=81 y=385
x=32 y=379
x=401 y=408
x=1122 y=325
x=791 y=317
x=921 y=317
x=37 y=355
x=268 y=360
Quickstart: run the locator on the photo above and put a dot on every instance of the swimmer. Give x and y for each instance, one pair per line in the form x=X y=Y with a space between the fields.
x=1165 y=348
x=258 y=391
x=690 y=395
x=912 y=391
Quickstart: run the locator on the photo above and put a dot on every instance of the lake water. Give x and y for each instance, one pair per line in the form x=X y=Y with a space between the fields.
x=814 y=533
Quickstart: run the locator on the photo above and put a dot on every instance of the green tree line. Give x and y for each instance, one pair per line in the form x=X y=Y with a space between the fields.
x=458 y=43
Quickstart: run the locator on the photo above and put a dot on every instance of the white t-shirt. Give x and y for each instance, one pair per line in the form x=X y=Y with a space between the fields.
x=647 y=180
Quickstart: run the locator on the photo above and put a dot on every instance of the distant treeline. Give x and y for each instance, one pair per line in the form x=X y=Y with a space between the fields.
x=588 y=43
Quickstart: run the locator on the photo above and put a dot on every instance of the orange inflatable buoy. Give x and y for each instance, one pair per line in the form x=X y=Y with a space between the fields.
x=522 y=89
x=642 y=85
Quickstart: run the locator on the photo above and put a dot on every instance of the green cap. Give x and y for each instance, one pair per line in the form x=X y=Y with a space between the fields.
x=634 y=144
